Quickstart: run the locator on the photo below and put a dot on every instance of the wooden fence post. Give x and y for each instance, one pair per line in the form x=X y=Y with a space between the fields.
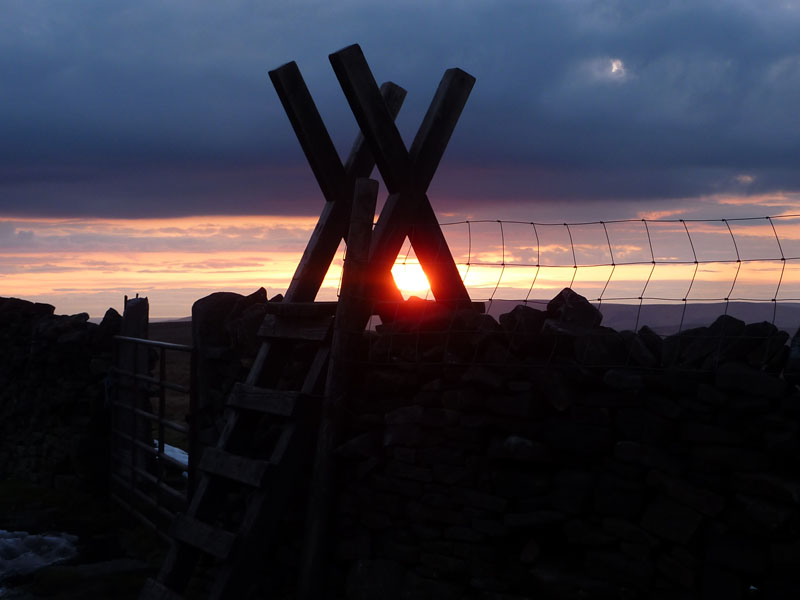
x=131 y=393
x=352 y=312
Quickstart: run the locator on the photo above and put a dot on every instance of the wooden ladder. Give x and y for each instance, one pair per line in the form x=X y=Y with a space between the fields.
x=268 y=436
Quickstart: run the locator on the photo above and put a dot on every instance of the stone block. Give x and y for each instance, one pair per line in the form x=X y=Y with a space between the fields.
x=617 y=497
x=614 y=566
x=703 y=501
x=515 y=447
x=403 y=470
x=538 y=519
x=670 y=520
x=570 y=307
x=375 y=578
x=735 y=552
x=743 y=379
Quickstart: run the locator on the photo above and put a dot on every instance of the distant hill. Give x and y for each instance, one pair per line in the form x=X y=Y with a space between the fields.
x=666 y=318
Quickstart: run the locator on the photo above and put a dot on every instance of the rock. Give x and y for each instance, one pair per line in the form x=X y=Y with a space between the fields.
x=771 y=517
x=601 y=347
x=791 y=371
x=703 y=501
x=624 y=379
x=581 y=533
x=207 y=315
x=676 y=571
x=629 y=532
x=404 y=415
x=731 y=458
x=572 y=491
x=671 y=520
x=743 y=379
x=570 y=307
x=110 y=326
x=376 y=578
x=636 y=572
x=533 y=520
x=735 y=552
x=719 y=583
x=366 y=445
x=775 y=487
x=522 y=327
x=652 y=341
x=703 y=433
x=616 y=497
x=516 y=447
x=638 y=352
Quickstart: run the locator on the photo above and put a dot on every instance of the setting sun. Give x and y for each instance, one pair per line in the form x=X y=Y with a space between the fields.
x=410 y=278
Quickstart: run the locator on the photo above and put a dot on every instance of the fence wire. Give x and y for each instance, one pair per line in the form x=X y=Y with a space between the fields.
x=636 y=262
x=672 y=275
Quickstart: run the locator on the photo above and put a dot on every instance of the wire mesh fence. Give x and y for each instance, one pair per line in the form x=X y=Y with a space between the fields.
x=674 y=276
x=633 y=262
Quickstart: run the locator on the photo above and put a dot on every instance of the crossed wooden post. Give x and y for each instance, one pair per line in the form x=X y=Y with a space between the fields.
x=406 y=173
x=337 y=181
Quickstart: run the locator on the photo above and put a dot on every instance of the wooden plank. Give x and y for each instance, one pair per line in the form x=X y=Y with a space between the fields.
x=211 y=540
x=274 y=402
x=351 y=317
x=155 y=590
x=311 y=329
x=407 y=175
x=316 y=371
x=336 y=181
x=361 y=161
x=249 y=471
x=310 y=130
x=435 y=258
x=282 y=445
x=438 y=124
x=373 y=118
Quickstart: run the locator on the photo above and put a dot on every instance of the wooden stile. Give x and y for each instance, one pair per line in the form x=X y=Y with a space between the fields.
x=351 y=316
x=407 y=175
x=268 y=475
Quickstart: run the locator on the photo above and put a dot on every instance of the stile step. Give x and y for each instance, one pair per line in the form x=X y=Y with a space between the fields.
x=155 y=590
x=312 y=329
x=273 y=402
x=211 y=540
x=249 y=471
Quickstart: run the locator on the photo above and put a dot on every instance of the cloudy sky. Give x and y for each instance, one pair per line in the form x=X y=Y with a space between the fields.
x=134 y=126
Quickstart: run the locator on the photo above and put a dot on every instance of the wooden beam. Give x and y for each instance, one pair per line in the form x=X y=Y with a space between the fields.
x=310 y=130
x=376 y=124
x=438 y=125
x=351 y=317
x=335 y=180
x=407 y=175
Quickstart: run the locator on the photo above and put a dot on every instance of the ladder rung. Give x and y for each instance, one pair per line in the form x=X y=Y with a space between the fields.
x=211 y=540
x=301 y=309
x=249 y=471
x=310 y=329
x=273 y=402
x=155 y=590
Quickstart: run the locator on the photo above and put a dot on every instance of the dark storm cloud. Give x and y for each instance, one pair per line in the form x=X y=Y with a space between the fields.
x=156 y=108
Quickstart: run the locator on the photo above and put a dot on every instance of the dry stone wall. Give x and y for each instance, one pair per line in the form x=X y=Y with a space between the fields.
x=545 y=456
x=53 y=419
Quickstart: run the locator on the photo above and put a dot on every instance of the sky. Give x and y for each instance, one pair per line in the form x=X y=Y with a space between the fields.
x=143 y=148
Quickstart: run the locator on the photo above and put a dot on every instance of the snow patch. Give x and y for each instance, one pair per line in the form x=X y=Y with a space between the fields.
x=22 y=553
x=176 y=454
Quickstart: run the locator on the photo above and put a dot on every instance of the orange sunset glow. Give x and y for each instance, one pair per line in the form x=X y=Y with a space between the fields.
x=89 y=265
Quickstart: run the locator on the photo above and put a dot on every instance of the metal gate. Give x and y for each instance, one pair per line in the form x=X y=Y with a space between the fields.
x=149 y=476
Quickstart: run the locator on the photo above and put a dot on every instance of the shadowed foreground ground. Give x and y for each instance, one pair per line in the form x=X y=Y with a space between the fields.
x=115 y=554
